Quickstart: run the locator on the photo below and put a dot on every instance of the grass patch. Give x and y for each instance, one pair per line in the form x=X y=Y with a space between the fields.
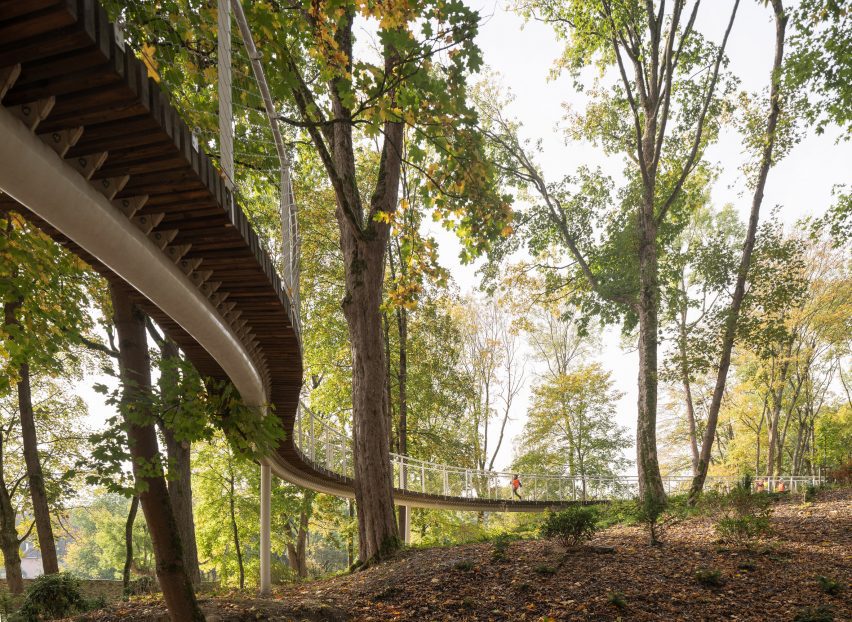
x=829 y=586
x=820 y=613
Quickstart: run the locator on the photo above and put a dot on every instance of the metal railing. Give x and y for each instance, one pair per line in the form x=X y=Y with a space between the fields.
x=326 y=446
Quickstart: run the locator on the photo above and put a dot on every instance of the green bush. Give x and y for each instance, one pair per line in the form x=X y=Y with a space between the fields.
x=822 y=613
x=51 y=597
x=572 y=526
x=742 y=516
x=544 y=569
x=829 y=586
x=501 y=545
x=742 y=530
x=617 y=599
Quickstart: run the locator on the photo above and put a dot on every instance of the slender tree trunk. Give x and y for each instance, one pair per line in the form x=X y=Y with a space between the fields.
x=350 y=544
x=297 y=553
x=128 y=542
x=41 y=507
x=650 y=481
x=147 y=464
x=377 y=528
x=687 y=394
x=235 y=531
x=9 y=543
x=180 y=470
x=402 y=428
x=745 y=260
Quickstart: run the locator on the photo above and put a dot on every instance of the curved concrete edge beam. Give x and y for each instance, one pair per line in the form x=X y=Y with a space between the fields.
x=35 y=176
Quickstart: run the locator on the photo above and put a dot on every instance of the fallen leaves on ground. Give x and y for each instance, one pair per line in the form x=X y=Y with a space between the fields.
x=539 y=582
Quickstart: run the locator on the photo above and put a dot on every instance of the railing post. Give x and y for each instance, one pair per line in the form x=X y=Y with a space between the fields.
x=313 y=458
x=446 y=482
x=328 y=463
x=422 y=477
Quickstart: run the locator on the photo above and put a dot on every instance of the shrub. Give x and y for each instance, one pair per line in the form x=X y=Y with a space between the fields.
x=617 y=599
x=810 y=492
x=544 y=569
x=52 y=597
x=464 y=565
x=501 y=546
x=821 y=613
x=742 y=530
x=742 y=516
x=829 y=586
x=572 y=526
x=709 y=577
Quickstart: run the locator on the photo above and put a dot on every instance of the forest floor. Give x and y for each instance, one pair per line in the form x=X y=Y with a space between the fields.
x=618 y=577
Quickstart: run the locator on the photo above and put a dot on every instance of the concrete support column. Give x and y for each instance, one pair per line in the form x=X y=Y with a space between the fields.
x=406 y=525
x=265 y=529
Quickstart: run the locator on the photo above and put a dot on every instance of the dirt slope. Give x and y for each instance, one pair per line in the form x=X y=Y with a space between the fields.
x=537 y=581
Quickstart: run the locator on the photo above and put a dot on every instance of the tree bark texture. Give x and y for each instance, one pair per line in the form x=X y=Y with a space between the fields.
x=9 y=542
x=180 y=475
x=135 y=367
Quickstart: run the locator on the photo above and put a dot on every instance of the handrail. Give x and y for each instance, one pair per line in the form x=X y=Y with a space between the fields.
x=325 y=446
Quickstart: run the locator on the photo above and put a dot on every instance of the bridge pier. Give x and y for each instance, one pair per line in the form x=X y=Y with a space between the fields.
x=265 y=529
x=406 y=525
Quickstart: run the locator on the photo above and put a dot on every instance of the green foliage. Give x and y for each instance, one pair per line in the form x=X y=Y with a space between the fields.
x=709 y=577
x=501 y=545
x=545 y=570
x=819 y=613
x=571 y=526
x=464 y=565
x=571 y=422
x=97 y=550
x=51 y=597
x=742 y=516
x=617 y=599
x=829 y=586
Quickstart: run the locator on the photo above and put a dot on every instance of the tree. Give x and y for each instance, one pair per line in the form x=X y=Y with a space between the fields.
x=571 y=426
x=765 y=143
x=139 y=421
x=359 y=99
x=660 y=118
x=58 y=417
x=98 y=549
x=43 y=289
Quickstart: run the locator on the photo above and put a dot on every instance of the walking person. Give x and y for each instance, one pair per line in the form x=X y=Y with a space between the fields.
x=516 y=485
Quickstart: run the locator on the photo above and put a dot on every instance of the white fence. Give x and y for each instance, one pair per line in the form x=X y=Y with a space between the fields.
x=330 y=448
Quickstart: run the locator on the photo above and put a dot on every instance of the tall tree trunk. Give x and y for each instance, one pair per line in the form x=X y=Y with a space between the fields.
x=135 y=367
x=745 y=260
x=297 y=552
x=9 y=542
x=236 y=532
x=350 y=544
x=128 y=542
x=41 y=508
x=364 y=268
x=650 y=481
x=180 y=470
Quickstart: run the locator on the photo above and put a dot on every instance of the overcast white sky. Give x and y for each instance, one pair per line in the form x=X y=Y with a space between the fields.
x=524 y=53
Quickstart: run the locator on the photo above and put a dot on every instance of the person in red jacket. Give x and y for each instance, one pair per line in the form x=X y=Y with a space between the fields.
x=516 y=485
